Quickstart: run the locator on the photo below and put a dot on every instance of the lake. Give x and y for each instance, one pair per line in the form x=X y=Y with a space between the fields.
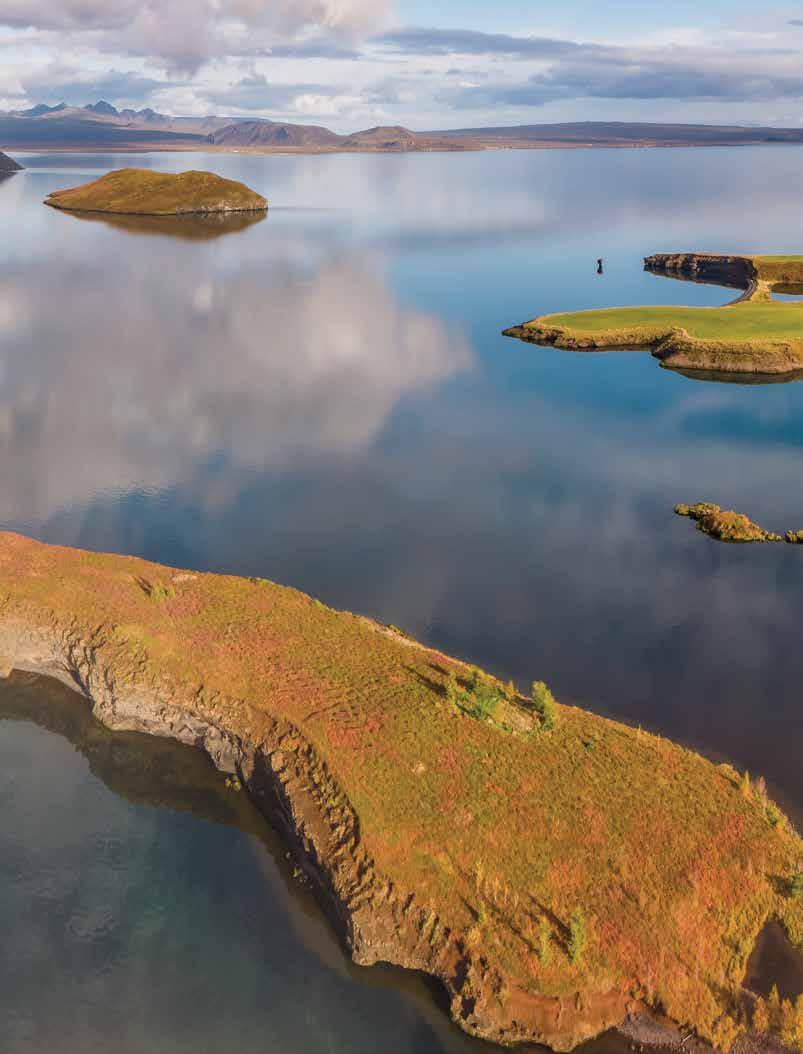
x=324 y=398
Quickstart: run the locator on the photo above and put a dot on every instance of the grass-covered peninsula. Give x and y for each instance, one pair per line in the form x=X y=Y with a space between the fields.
x=556 y=870
x=754 y=334
x=142 y=192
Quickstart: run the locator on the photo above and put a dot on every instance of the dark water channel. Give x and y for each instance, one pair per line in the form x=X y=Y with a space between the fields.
x=324 y=398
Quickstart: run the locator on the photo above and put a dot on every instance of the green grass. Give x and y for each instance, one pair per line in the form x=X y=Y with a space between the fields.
x=142 y=192
x=741 y=323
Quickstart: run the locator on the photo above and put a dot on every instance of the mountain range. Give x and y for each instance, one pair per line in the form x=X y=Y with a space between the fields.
x=101 y=126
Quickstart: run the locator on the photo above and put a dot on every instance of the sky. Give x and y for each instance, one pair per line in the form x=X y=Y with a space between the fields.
x=353 y=64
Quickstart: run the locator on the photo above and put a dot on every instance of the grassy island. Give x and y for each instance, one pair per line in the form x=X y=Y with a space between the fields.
x=142 y=192
x=554 y=869
x=752 y=335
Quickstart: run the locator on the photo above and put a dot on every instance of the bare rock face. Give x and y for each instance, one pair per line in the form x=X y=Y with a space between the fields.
x=737 y=272
x=8 y=165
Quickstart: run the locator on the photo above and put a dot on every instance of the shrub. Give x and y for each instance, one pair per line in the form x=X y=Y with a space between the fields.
x=773 y=814
x=792 y=1023
x=577 y=935
x=544 y=703
x=545 y=944
x=761 y=1016
x=479 y=698
x=745 y=785
x=796 y=886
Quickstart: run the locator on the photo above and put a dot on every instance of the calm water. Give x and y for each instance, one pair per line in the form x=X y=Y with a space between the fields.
x=323 y=398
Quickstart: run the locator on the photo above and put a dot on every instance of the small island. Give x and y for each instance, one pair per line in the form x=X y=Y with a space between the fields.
x=560 y=873
x=142 y=192
x=726 y=525
x=754 y=334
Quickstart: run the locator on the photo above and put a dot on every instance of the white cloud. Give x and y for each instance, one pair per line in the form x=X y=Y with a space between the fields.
x=185 y=33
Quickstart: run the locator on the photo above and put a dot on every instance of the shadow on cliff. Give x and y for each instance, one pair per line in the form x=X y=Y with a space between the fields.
x=139 y=768
x=161 y=773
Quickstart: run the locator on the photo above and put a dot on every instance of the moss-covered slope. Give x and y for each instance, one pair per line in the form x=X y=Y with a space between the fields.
x=553 y=868
x=141 y=192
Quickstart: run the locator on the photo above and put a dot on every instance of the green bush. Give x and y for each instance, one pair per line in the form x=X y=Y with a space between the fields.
x=577 y=935
x=478 y=697
x=545 y=944
x=544 y=703
x=796 y=886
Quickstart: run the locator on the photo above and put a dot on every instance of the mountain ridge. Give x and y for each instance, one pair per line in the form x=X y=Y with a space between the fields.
x=101 y=125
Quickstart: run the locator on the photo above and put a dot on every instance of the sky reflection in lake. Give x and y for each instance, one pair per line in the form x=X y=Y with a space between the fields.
x=324 y=399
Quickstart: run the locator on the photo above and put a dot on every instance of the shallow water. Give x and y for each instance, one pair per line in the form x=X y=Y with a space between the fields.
x=324 y=398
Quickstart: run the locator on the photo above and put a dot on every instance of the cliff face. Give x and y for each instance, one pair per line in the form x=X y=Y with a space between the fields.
x=733 y=271
x=438 y=839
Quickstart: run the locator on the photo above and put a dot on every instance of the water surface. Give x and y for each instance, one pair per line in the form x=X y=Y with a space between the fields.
x=324 y=398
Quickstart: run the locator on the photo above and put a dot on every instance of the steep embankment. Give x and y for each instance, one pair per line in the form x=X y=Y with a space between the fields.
x=554 y=869
x=142 y=192
x=752 y=335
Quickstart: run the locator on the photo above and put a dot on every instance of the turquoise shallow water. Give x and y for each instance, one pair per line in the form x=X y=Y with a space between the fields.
x=324 y=398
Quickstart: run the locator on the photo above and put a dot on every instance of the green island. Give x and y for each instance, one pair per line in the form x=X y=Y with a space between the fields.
x=754 y=334
x=142 y=192
x=560 y=873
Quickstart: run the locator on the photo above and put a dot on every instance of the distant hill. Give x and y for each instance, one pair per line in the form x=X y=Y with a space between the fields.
x=270 y=133
x=101 y=126
x=620 y=133
x=313 y=138
x=84 y=133
x=8 y=165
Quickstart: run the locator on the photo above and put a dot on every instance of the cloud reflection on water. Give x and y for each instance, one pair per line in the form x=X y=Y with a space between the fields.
x=174 y=362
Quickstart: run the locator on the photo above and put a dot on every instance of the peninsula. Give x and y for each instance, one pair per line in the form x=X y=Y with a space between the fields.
x=558 y=872
x=143 y=192
x=754 y=334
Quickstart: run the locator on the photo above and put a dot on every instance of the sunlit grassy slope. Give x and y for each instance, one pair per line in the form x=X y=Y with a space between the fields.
x=134 y=191
x=502 y=835
x=739 y=323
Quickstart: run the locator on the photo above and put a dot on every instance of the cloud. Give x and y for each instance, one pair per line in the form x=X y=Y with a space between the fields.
x=569 y=70
x=255 y=92
x=424 y=41
x=76 y=87
x=185 y=33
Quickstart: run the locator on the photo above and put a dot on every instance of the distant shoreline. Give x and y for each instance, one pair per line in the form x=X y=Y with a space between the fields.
x=70 y=129
x=211 y=148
